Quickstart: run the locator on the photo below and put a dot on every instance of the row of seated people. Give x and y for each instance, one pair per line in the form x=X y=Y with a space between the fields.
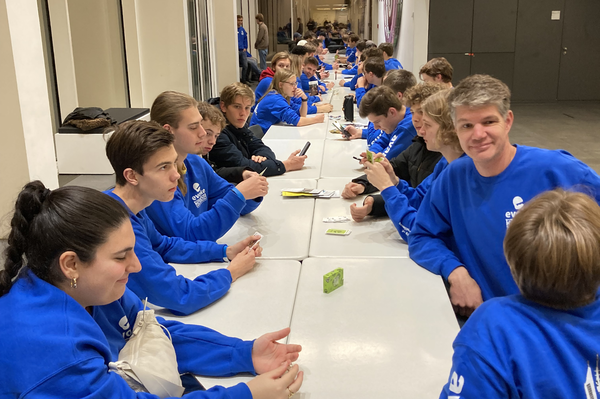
x=82 y=284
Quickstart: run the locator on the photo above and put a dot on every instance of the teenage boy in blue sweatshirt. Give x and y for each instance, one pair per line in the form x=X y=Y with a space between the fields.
x=205 y=206
x=145 y=164
x=545 y=341
x=309 y=75
x=437 y=70
x=373 y=70
x=385 y=110
x=462 y=221
x=390 y=62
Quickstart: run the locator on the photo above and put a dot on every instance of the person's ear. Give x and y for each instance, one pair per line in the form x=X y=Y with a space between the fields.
x=222 y=106
x=69 y=264
x=167 y=127
x=400 y=95
x=438 y=77
x=131 y=176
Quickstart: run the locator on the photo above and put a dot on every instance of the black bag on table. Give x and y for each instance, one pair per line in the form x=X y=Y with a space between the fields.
x=348 y=108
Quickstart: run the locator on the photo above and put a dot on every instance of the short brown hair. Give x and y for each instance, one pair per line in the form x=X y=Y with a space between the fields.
x=436 y=107
x=375 y=65
x=230 y=92
x=361 y=45
x=212 y=114
x=479 y=91
x=378 y=101
x=419 y=93
x=312 y=61
x=240 y=16
x=260 y=17
x=552 y=247
x=438 y=66
x=133 y=143
x=387 y=48
x=282 y=55
x=354 y=38
x=399 y=80
x=168 y=106
x=373 y=52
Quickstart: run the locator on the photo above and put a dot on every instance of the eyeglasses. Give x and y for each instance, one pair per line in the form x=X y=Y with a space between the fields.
x=292 y=83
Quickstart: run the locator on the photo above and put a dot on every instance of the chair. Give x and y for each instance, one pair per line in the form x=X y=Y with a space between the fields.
x=257 y=131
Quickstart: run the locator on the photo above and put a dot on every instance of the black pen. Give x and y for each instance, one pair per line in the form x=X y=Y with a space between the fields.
x=358 y=159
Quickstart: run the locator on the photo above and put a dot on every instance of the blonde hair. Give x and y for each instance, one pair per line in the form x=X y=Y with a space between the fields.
x=552 y=247
x=168 y=106
x=283 y=55
x=436 y=107
x=296 y=64
x=230 y=92
x=212 y=114
x=166 y=110
x=417 y=94
x=281 y=75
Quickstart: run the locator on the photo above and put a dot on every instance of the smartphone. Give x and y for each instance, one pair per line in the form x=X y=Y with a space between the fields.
x=254 y=243
x=346 y=134
x=303 y=152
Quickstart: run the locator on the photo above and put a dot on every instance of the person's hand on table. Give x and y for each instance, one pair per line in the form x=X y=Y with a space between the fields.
x=342 y=82
x=295 y=162
x=330 y=85
x=281 y=383
x=351 y=190
x=324 y=75
x=254 y=187
x=335 y=65
x=388 y=168
x=377 y=175
x=324 y=108
x=465 y=293
x=355 y=133
x=258 y=158
x=358 y=213
x=244 y=260
x=268 y=354
x=248 y=174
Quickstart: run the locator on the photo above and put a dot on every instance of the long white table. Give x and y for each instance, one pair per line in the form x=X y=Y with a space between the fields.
x=259 y=302
x=312 y=165
x=311 y=132
x=285 y=223
x=338 y=161
x=387 y=333
x=373 y=238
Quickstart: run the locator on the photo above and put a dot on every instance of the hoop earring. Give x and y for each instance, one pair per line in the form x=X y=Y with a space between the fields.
x=74 y=282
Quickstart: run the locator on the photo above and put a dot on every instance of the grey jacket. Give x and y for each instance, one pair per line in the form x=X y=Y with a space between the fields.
x=262 y=38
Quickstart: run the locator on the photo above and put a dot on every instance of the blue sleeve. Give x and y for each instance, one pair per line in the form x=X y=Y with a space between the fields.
x=296 y=103
x=351 y=71
x=360 y=93
x=203 y=351
x=353 y=81
x=262 y=88
x=304 y=81
x=284 y=112
x=401 y=142
x=380 y=143
x=352 y=57
x=427 y=243
x=472 y=376
x=402 y=202
x=174 y=219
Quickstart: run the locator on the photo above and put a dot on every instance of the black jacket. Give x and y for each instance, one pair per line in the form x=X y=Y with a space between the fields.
x=233 y=174
x=235 y=147
x=412 y=165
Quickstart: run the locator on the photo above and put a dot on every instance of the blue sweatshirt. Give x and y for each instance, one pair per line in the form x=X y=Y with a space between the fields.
x=402 y=201
x=361 y=91
x=463 y=218
x=274 y=108
x=323 y=64
x=352 y=55
x=393 y=144
x=515 y=348
x=57 y=349
x=242 y=38
x=306 y=85
x=351 y=71
x=392 y=63
x=261 y=89
x=352 y=83
x=371 y=134
x=207 y=211
x=158 y=280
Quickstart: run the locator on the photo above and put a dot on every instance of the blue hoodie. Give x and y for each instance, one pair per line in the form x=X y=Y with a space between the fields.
x=57 y=349
x=306 y=85
x=392 y=63
x=327 y=66
x=515 y=348
x=207 y=211
x=158 y=280
x=351 y=71
x=274 y=109
x=463 y=219
x=393 y=144
x=402 y=201
x=361 y=91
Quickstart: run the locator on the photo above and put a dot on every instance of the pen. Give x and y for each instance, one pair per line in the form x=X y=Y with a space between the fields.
x=358 y=159
x=264 y=170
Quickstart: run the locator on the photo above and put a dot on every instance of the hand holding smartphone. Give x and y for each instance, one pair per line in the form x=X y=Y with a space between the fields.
x=303 y=152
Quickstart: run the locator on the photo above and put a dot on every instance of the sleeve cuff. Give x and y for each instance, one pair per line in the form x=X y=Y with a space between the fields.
x=242 y=358
x=239 y=194
x=225 y=259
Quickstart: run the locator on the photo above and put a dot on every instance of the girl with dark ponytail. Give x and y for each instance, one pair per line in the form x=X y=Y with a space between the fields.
x=66 y=312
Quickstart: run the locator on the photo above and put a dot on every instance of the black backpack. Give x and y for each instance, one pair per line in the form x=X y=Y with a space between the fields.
x=348 y=108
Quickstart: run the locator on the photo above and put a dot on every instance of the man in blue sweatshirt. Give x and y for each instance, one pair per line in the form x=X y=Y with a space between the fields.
x=145 y=163
x=462 y=221
x=390 y=62
x=242 y=48
x=373 y=70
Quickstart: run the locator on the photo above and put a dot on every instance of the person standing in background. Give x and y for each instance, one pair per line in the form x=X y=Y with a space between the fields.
x=300 y=26
x=242 y=48
x=262 y=41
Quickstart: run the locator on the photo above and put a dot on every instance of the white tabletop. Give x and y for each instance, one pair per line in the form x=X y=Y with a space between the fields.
x=311 y=132
x=372 y=338
x=373 y=238
x=285 y=223
x=337 y=158
x=259 y=302
x=284 y=148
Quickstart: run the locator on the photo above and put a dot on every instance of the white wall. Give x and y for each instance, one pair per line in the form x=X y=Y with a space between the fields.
x=411 y=50
x=225 y=36
x=31 y=80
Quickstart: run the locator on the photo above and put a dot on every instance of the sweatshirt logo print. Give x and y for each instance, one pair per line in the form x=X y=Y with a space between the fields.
x=518 y=204
x=200 y=195
x=124 y=324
